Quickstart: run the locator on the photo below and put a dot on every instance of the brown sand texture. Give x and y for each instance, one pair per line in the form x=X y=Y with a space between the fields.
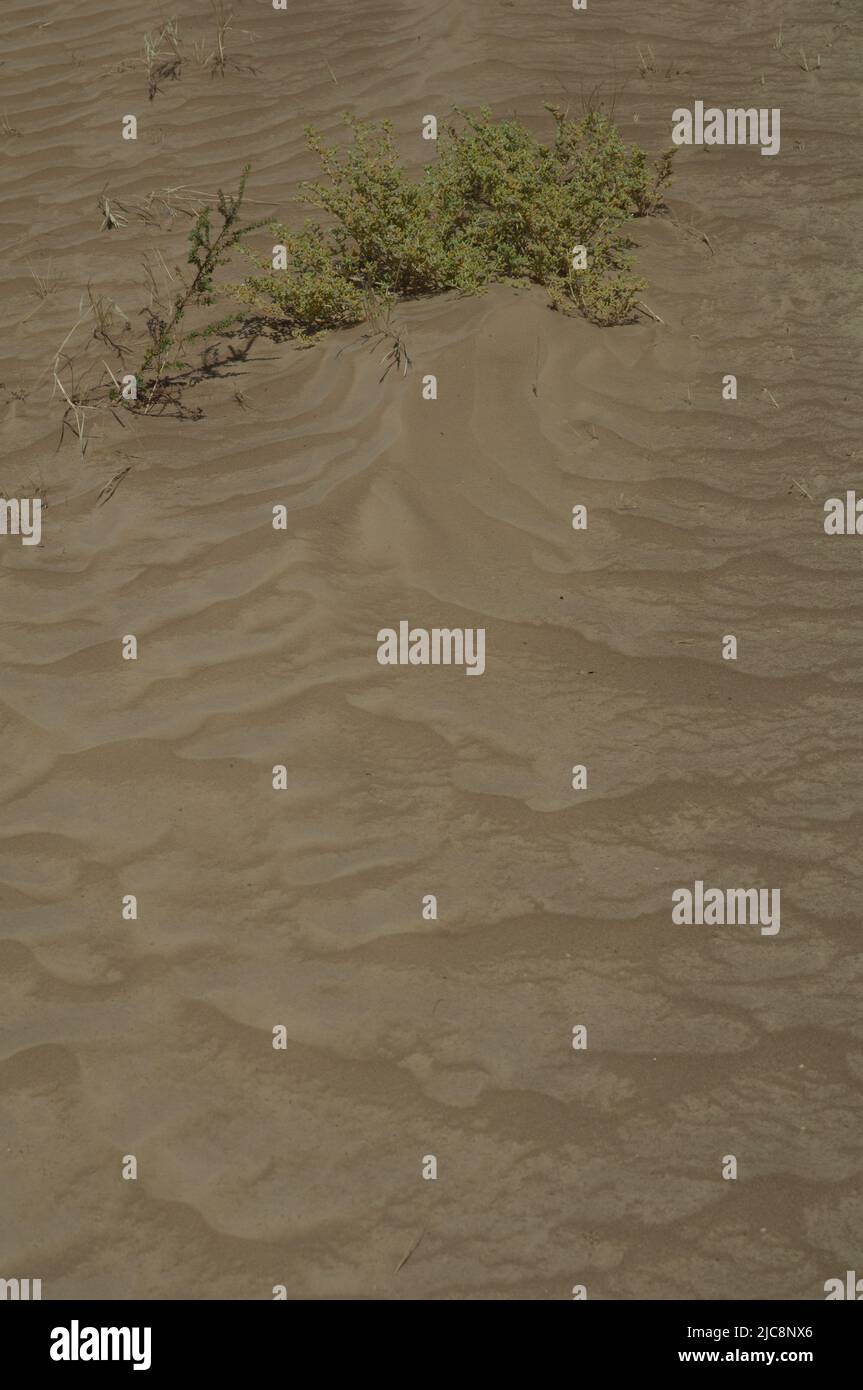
x=410 y=1038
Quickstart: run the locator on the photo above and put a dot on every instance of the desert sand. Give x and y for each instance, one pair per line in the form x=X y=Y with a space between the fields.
x=409 y=1037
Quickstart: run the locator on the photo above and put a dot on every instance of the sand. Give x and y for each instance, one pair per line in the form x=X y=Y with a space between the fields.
x=409 y=1037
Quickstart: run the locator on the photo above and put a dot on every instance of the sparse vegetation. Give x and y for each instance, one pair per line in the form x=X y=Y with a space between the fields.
x=43 y=285
x=646 y=61
x=78 y=396
x=497 y=205
x=109 y=321
x=162 y=56
x=113 y=215
x=215 y=58
x=167 y=203
x=379 y=316
x=208 y=249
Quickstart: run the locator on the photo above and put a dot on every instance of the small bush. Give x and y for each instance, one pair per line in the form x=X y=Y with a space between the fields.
x=208 y=250
x=496 y=205
x=313 y=293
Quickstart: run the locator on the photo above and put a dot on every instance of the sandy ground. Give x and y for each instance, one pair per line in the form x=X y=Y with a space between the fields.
x=409 y=1037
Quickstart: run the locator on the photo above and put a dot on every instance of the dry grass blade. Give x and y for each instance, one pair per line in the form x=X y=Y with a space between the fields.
x=80 y=399
x=107 y=492
x=162 y=57
x=168 y=202
x=398 y=357
x=217 y=59
x=649 y=312
x=414 y=1245
x=43 y=284
x=223 y=25
x=646 y=62
x=112 y=217
x=103 y=311
x=75 y=410
x=691 y=230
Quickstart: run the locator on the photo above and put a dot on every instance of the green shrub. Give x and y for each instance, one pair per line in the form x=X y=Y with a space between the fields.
x=496 y=205
x=314 y=292
x=208 y=250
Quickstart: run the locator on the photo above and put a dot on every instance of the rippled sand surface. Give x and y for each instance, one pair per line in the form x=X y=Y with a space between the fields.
x=257 y=647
